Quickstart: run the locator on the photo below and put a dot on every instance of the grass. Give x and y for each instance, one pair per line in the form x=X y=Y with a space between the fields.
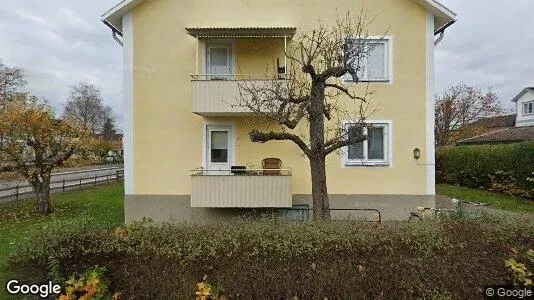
x=100 y=207
x=499 y=201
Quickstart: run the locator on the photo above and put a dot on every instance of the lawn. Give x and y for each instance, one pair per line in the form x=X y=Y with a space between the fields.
x=498 y=201
x=95 y=207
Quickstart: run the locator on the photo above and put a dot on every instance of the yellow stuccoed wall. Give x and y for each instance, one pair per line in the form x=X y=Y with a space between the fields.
x=168 y=137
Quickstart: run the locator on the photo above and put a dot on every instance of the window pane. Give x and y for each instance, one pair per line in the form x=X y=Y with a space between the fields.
x=355 y=151
x=219 y=61
x=356 y=57
x=219 y=57
x=376 y=61
x=376 y=143
x=219 y=146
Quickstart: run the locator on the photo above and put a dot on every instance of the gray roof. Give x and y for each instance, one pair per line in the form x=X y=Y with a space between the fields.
x=505 y=135
x=522 y=93
x=496 y=122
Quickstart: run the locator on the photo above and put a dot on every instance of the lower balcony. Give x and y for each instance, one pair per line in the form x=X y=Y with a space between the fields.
x=260 y=188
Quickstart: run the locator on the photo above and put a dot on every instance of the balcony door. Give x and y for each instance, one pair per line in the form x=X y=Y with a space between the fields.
x=219 y=60
x=219 y=149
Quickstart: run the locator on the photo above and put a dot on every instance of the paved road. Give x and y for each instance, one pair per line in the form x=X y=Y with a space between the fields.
x=69 y=179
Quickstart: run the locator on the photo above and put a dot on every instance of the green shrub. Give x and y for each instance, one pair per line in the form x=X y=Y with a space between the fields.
x=275 y=259
x=500 y=168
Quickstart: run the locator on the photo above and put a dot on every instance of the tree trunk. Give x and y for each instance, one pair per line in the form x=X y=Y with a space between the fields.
x=42 y=194
x=321 y=205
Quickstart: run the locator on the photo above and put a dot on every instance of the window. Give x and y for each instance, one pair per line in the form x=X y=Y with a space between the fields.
x=219 y=146
x=219 y=60
x=373 y=151
x=528 y=108
x=298 y=213
x=374 y=64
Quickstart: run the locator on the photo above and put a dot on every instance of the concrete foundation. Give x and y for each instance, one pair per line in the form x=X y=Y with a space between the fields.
x=178 y=207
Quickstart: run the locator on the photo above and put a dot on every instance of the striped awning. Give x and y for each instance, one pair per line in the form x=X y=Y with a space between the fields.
x=240 y=32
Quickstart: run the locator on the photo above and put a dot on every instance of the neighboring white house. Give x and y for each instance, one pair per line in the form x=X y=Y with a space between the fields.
x=510 y=128
x=525 y=107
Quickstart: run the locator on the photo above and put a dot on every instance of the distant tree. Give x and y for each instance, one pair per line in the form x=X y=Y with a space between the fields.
x=12 y=82
x=108 y=131
x=460 y=106
x=314 y=100
x=36 y=143
x=85 y=106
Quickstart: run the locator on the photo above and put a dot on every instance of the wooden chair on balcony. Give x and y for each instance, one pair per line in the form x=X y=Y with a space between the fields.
x=271 y=163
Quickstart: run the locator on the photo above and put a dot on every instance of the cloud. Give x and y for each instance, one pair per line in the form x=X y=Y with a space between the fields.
x=60 y=43
x=489 y=47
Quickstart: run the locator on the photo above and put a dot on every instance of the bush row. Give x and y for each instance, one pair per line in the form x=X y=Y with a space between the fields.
x=507 y=169
x=276 y=259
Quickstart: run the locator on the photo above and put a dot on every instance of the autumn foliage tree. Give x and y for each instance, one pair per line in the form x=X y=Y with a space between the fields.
x=458 y=108
x=311 y=105
x=35 y=143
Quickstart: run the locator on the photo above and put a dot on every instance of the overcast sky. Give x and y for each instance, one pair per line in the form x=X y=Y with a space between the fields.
x=60 y=43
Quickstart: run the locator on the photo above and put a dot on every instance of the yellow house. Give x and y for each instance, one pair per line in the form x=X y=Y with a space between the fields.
x=181 y=138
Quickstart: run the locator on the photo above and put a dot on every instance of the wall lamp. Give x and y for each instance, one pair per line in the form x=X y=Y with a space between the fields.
x=416 y=153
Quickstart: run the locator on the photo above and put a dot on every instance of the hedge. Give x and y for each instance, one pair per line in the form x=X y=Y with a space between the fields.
x=507 y=168
x=276 y=259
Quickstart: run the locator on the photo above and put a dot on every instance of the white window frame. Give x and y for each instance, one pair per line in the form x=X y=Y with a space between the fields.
x=525 y=107
x=232 y=140
x=388 y=146
x=218 y=43
x=388 y=60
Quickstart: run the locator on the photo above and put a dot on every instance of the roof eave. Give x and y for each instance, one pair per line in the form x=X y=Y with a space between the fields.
x=523 y=91
x=444 y=17
x=114 y=15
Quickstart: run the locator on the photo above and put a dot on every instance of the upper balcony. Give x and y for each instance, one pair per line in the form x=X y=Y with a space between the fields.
x=219 y=95
x=229 y=57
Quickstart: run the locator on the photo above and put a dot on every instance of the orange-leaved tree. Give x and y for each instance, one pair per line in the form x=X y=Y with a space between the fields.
x=35 y=143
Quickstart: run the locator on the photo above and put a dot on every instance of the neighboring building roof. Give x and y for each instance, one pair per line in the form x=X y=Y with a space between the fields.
x=505 y=135
x=522 y=93
x=442 y=15
x=496 y=122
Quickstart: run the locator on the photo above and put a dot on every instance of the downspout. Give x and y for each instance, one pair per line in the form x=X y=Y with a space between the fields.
x=441 y=32
x=440 y=38
x=115 y=32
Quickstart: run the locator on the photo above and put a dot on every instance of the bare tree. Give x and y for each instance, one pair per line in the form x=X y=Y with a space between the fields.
x=314 y=99
x=460 y=106
x=85 y=106
x=12 y=82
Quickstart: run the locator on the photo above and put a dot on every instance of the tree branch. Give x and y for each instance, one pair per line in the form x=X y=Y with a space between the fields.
x=345 y=91
x=333 y=145
x=262 y=137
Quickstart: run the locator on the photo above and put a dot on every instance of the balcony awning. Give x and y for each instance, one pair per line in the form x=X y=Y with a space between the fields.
x=241 y=32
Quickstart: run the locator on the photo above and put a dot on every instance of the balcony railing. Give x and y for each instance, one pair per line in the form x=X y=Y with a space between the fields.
x=219 y=94
x=258 y=188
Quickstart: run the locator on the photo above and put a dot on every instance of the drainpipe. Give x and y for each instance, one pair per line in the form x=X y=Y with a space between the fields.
x=441 y=32
x=440 y=38
x=115 y=32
